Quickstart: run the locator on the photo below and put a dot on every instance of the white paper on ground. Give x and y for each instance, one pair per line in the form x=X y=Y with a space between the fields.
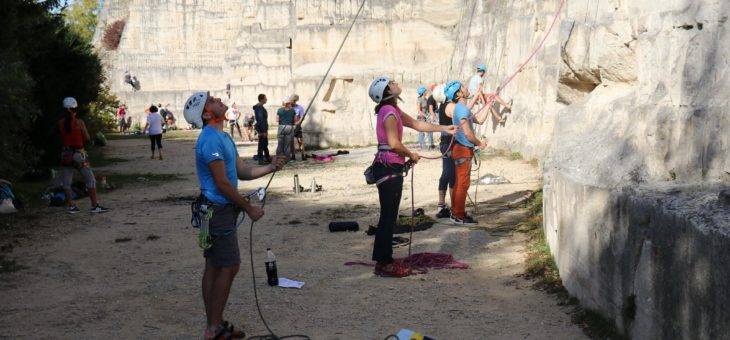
x=286 y=283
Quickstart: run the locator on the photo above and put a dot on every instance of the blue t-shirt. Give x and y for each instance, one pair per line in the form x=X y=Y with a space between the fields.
x=214 y=145
x=286 y=117
x=462 y=112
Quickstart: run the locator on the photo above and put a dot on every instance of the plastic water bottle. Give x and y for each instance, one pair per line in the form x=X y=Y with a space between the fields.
x=271 y=275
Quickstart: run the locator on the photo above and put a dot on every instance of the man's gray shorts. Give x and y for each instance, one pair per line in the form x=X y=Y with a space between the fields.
x=224 y=251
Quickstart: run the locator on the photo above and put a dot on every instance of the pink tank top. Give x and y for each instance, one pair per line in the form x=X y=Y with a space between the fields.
x=388 y=156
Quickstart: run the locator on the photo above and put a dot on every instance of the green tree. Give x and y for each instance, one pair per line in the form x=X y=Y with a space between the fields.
x=42 y=61
x=81 y=17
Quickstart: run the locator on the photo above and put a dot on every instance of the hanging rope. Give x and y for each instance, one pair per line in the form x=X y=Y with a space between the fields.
x=271 y=334
x=509 y=79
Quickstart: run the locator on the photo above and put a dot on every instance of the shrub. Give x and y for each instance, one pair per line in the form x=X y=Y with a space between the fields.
x=113 y=34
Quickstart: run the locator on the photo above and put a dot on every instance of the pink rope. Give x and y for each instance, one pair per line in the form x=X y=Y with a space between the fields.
x=509 y=79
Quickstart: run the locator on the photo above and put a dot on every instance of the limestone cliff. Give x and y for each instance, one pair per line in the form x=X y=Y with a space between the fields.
x=625 y=106
x=279 y=47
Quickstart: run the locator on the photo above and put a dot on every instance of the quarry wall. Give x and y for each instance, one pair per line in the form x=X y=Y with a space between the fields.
x=625 y=107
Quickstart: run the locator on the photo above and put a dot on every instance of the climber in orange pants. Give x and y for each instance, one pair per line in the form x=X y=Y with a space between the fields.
x=462 y=152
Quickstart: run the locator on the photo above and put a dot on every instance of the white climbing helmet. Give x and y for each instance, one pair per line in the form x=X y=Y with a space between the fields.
x=193 y=109
x=70 y=103
x=377 y=87
x=438 y=93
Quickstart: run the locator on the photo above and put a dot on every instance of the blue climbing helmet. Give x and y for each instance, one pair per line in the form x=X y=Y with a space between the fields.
x=451 y=88
x=481 y=68
x=421 y=90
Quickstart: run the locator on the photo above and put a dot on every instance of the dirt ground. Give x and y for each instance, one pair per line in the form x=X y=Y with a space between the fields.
x=82 y=282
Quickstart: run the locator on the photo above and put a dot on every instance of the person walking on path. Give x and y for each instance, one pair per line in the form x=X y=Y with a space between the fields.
x=233 y=115
x=73 y=157
x=248 y=121
x=287 y=118
x=298 y=136
x=262 y=129
x=219 y=168
x=462 y=151
x=153 y=129
x=424 y=116
x=389 y=166
x=121 y=114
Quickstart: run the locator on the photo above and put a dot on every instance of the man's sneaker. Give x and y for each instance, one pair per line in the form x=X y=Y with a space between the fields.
x=443 y=212
x=467 y=220
x=98 y=209
x=73 y=209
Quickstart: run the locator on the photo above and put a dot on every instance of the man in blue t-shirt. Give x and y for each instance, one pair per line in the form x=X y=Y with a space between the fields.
x=219 y=168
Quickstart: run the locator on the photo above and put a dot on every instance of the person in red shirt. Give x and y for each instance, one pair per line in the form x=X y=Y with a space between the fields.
x=73 y=156
x=121 y=114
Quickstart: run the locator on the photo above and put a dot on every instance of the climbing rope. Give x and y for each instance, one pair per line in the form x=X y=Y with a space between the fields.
x=509 y=79
x=271 y=335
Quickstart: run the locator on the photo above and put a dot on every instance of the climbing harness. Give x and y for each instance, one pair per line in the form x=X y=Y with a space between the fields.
x=509 y=79
x=202 y=212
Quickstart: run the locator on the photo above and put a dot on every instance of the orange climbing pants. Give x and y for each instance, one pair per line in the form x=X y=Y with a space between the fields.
x=462 y=156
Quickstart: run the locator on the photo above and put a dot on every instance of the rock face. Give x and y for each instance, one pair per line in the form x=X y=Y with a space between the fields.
x=279 y=47
x=625 y=106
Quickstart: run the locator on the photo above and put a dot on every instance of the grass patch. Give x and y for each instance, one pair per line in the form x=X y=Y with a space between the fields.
x=10 y=266
x=515 y=156
x=540 y=266
x=97 y=159
x=30 y=194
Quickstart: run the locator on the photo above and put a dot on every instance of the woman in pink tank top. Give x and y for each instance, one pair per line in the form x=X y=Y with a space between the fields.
x=389 y=166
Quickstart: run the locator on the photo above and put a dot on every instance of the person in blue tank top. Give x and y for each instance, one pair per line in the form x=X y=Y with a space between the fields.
x=219 y=169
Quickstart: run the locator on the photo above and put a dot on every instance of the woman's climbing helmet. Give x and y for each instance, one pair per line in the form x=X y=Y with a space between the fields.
x=438 y=93
x=70 y=103
x=377 y=88
x=451 y=89
x=421 y=90
x=193 y=109
x=481 y=68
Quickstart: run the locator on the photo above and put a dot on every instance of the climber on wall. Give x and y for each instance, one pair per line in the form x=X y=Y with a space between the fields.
x=131 y=80
x=476 y=88
x=389 y=166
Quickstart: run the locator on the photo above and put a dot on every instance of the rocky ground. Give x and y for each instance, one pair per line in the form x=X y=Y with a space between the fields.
x=135 y=272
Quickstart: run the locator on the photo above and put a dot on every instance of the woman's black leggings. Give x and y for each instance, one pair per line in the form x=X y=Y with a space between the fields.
x=389 y=194
x=447 y=169
x=155 y=140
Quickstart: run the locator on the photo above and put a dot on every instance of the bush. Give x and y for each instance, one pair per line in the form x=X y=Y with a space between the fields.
x=42 y=61
x=113 y=34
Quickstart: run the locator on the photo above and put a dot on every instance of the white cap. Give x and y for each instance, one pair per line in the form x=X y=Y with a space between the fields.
x=193 y=109
x=70 y=103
